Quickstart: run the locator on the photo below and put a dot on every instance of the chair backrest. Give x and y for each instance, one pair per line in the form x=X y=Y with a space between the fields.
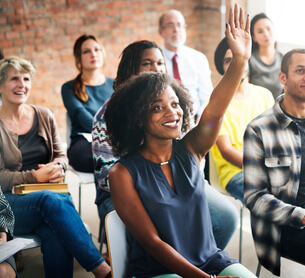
x=68 y=130
x=117 y=244
x=213 y=174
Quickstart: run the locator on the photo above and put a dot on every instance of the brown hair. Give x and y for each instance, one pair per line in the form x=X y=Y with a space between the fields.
x=78 y=85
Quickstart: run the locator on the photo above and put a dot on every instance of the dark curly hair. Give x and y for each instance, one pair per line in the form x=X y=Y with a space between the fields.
x=129 y=104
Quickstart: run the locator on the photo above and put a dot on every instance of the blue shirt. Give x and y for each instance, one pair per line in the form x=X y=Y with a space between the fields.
x=181 y=218
x=81 y=113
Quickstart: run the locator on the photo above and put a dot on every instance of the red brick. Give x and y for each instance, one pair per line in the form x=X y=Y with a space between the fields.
x=5 y=43
x=46 y=35
x=3 y=20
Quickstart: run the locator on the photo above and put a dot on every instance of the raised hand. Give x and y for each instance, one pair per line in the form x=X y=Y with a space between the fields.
x=238 y=33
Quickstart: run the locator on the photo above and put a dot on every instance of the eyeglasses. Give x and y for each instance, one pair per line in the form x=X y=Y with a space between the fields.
x=227 y=61
x=172 y=26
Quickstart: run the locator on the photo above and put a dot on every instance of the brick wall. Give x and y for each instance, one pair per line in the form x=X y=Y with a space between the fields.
x=44 y=31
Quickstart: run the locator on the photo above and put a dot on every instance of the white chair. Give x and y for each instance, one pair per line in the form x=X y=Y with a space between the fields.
x=214 y=181
x=117 y=244
x=84 y=178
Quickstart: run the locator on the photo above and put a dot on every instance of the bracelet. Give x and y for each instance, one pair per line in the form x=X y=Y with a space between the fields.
x=4 y=230
x=62 y=166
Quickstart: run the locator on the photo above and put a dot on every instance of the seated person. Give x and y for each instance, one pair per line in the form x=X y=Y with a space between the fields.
x=248 y=102
x=31 y=152
x=265 y=61
x=274 y=173
x=83 y=96
x=7 y=267
x=157 y=187
x=147 y=56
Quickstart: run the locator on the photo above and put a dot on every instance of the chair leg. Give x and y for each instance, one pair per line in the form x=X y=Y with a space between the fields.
x=258 y=270
x=80 y=198
x=101 y=237
x=241 y=231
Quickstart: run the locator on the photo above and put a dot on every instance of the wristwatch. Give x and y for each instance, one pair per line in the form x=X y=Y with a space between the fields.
x=4 y=230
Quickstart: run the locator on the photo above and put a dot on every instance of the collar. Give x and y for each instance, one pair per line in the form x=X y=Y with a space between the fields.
x=170 y=54
x=281 y=117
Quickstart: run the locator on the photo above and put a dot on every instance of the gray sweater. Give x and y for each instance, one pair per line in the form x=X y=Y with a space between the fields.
x=265 y=75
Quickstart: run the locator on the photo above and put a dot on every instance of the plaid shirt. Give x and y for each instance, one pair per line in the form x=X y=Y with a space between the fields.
x=271 y=167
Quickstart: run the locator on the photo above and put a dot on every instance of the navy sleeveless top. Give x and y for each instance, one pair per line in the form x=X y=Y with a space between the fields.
x=181 y=218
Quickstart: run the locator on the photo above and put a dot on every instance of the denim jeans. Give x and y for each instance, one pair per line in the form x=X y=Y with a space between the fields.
x=52 y=216
x=236 y=186
x=223 y=214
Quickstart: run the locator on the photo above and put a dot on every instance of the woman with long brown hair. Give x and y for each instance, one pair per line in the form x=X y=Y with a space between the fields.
x=83 y=96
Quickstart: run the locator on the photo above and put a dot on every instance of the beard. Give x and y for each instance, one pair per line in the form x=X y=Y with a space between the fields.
x=177 y=41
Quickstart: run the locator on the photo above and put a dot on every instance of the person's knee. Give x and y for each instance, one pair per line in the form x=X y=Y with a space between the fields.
x=6 y=270
x=54 y=203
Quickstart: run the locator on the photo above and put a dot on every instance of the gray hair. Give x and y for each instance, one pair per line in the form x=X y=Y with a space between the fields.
x=18 y=64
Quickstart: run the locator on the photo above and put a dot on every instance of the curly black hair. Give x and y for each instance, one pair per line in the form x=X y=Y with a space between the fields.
x=129 y=104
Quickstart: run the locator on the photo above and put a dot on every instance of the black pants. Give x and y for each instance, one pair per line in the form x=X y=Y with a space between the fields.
x=80 y=155
x=293 y=244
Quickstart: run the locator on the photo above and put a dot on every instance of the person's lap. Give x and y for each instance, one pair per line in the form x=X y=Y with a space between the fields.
x=232 y=270
x=293 y=244
x=236 y=186
x=224 y=215
x=54 y=218
x=80 y=155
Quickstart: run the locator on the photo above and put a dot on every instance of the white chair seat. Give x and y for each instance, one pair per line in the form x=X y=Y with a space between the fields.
x=117 y=244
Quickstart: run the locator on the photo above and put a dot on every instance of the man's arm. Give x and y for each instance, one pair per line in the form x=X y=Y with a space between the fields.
x=260 y=201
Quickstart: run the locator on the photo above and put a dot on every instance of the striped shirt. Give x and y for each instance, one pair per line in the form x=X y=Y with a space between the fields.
x=6 y=215
x=103 y=157
x=271 y=167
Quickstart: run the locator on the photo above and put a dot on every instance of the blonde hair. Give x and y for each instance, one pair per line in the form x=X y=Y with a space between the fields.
x=18 y=64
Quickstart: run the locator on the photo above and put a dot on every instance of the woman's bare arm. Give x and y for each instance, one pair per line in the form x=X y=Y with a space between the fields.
x=201 y=138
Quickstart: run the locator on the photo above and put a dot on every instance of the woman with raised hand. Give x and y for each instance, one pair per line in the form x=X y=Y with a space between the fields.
x=265 y=61
x=157 y=188
x=144 y=56
x=83 y=96
x=31 y=152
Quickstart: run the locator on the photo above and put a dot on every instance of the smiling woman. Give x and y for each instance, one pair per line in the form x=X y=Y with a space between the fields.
x=31 y=152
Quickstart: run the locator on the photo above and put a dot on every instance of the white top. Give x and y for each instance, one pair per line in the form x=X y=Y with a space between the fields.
x=195 y=74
